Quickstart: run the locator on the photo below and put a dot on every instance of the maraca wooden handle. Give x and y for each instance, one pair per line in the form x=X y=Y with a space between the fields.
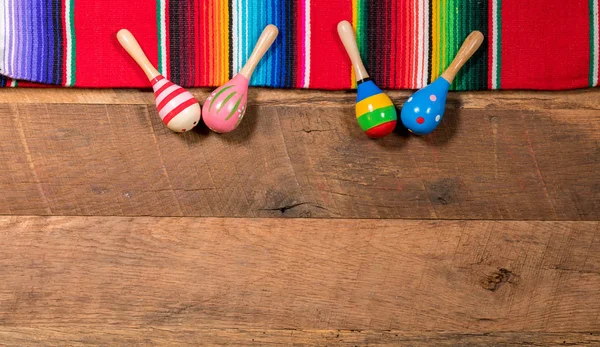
x=346 y=32
x=265 y=41
x=128 y=41
x=466 y=51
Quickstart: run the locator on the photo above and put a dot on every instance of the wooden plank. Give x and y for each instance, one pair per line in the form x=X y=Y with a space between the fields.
x=67 y=159
x=86 y=273
x=497 y=100
x=120 y=336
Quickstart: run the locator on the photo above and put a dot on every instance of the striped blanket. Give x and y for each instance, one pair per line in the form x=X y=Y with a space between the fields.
x=533 y=44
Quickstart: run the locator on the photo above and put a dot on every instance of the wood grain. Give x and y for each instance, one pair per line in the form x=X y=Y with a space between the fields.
x=484 y=162
x=456 y=271
x=119 y=336
x=77 y=274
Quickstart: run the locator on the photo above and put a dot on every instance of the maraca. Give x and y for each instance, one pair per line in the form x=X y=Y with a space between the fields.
x=226 y=106
x=375 y=112
x=177 y=107
x=423 y=111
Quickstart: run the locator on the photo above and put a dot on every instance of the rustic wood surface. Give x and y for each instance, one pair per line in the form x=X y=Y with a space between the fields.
x=504 y=156
x=78 y=274
x=484 y=233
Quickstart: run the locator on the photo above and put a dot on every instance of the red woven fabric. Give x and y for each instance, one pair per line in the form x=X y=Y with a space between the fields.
x=536 y=44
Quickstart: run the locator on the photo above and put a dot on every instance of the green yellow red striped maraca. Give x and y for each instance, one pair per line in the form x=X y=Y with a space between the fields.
x=375 y=112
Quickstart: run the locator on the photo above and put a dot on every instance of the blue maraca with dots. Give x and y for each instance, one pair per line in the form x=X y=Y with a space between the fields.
x=424 y=110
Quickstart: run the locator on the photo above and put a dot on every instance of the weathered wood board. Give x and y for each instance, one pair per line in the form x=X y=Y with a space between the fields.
x=210 y=273
x=496 y=156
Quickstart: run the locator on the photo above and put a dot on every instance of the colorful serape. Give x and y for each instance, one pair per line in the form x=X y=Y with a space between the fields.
x=533 y=44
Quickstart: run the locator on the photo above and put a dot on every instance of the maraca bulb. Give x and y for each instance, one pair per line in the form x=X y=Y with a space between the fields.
x=226 y=106
x=375 y=112
x=177 y=107
x=424 y=110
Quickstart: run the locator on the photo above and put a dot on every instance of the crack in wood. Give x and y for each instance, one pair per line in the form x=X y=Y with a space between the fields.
x=284 y=209
x=308 y=131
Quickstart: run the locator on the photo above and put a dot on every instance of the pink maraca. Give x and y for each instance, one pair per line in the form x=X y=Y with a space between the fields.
x=177 y=107
x=225 y=107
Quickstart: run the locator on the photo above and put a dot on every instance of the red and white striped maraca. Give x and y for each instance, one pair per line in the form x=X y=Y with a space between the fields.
x=177 y=107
